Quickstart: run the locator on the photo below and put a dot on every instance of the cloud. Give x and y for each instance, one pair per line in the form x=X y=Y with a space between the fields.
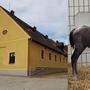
x=50 y=16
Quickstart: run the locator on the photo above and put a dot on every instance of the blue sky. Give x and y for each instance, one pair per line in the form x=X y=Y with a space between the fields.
x=49 y=16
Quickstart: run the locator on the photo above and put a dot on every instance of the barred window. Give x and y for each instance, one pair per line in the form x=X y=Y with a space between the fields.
x=55 y=58
x=49 y=56
x=63 y=59
x=60 y=58
x=66 y=60
x=42 y=54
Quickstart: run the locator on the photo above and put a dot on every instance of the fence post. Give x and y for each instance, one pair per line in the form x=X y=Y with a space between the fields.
x=81 y=59
x=86 y=59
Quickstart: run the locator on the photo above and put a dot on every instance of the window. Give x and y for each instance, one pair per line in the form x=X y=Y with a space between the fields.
x=63 y=59
x=49 y=56
x=60 y=58
x=66 y=60
x=55 y=58
x=42 y=54
x=12 y=58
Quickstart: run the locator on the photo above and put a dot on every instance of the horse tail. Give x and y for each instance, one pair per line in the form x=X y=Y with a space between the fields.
x=71 y=38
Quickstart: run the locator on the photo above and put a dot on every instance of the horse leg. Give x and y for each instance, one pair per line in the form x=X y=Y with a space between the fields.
x=74 y=59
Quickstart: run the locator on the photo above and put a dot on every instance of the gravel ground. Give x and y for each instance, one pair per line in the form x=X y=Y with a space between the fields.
x=42 y=82
x=83 y=79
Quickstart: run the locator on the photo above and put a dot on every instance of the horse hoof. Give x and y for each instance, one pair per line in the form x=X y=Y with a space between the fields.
x=75 y=77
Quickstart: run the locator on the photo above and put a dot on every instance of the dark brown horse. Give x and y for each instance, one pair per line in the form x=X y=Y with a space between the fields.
x=79 y=40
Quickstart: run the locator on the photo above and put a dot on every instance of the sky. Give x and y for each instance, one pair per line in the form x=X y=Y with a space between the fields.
x=49 y=16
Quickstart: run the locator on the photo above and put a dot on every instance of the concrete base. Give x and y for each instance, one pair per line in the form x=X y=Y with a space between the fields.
x=37 y=70
x=45 y=70
x=13 y=72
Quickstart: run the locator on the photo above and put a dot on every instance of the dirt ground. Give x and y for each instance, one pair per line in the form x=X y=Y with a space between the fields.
x=43 y=82
x=83 y=79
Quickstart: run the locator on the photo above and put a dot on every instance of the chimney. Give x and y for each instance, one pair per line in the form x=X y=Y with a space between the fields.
x=34 y=28
x=46 y=36
x=57 y=41
x=12 y=12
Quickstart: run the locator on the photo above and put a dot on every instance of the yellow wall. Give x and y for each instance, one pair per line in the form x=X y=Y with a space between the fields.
x=14 y=30
x=36 y=61
x=27 y=54
x=16 y=40
x=20 y=49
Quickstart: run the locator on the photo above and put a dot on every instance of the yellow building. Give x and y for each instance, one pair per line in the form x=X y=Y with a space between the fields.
x=24 y=50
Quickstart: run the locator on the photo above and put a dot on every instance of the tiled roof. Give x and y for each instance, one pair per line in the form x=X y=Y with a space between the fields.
x=34 y=34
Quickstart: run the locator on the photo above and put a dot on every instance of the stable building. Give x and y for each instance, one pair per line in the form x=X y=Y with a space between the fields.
x=26 y=51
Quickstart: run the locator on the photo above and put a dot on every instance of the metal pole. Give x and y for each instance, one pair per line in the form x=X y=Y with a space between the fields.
x=81 y=60
x=9 y=5
x=86 y=59
x=0 y=2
